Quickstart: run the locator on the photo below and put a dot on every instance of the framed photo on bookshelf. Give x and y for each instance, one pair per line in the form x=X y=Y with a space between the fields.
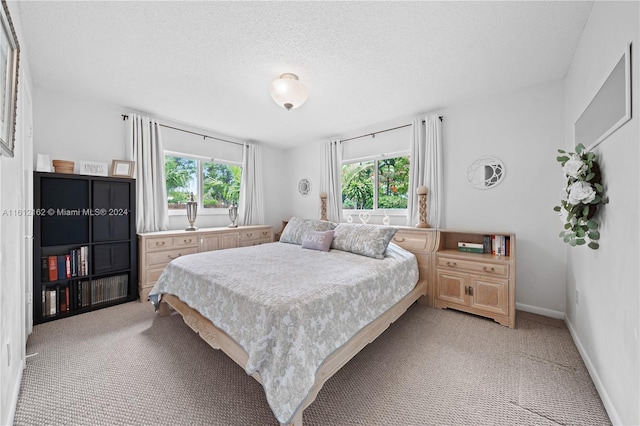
x=122 y=168
x=9 y=58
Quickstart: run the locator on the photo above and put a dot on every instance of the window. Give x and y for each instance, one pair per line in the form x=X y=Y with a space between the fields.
x=214 y=184
x=389 y=176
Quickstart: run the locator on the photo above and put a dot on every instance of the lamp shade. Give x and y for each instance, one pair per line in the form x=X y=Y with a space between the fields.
x=288 y=92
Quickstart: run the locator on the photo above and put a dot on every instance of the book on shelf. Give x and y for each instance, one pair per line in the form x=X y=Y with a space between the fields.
x=44 y=269
x=50 y=302
x=470 y=247
x=53 y=268
x=497 y=245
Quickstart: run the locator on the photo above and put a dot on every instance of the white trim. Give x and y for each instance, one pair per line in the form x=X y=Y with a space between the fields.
x=15 y=393
x=540 y=311
x=602 y=391
x=378 y=157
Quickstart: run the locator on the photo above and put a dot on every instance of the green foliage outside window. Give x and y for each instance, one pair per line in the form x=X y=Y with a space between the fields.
x=220 y=182
x=358 y=183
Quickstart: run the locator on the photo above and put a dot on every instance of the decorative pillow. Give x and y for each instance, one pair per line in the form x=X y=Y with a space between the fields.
x=317 y=240
x=297 y=228
x=367 y=240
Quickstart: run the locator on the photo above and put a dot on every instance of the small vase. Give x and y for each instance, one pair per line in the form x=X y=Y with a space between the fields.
x=192 y=212
x=233 y=215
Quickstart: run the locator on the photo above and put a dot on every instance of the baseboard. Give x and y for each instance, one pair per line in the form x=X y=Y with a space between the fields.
x=540 y=311
x=604 y=396
x=15 y=393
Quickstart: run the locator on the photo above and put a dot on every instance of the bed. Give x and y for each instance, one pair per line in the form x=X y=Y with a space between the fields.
x=290 y=316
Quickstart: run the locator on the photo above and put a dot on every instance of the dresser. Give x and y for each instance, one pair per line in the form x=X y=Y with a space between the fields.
x=157 y=249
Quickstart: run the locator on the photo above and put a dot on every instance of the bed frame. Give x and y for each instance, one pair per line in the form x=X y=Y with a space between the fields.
x=421 y=242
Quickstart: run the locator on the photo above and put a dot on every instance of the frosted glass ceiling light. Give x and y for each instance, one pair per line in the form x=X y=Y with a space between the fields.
x=288 y=92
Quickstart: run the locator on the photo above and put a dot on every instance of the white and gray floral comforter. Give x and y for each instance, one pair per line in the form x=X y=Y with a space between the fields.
x=288 y=307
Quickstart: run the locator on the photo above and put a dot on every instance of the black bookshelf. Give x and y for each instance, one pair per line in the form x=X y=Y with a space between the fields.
x=86 y=225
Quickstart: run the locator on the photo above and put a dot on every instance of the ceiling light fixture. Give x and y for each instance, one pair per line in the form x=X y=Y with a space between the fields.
x=288 y=92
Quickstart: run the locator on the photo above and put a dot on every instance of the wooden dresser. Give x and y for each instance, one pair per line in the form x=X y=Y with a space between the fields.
x=157 y=249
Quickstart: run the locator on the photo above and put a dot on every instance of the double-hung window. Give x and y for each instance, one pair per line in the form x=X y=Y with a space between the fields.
x=376 y=183
x=215 y=184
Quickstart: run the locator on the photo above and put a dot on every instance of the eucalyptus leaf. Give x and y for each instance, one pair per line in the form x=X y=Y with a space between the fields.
x=556 y=208
x=567 y=226
x=598 y=187
x=592 y=224
x=572 y=243
x=585 y=211
x=594 y=235
x=562 y=159
x=566 y=238
x=580 y=232
x=579 y=148
x=593 y=245
x=562 y=151
x=580 y=242
x=561 y=234
x=591 y=156
x=590 y=176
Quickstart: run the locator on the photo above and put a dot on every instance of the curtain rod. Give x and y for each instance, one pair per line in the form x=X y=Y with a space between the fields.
x=126 y=117
x=373 y=134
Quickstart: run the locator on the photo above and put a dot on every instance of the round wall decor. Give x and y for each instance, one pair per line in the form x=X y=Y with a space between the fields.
x=485 y=173
x=304 y=187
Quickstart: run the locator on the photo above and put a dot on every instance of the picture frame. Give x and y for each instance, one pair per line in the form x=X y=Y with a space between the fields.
x=609 y=108
x=122 y=168
x=9 y=61
x=93 y=168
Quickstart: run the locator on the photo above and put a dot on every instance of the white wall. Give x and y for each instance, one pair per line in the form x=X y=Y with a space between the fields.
x=71 y=128
x=523 y=129
x=15 y=180
x=605 y=323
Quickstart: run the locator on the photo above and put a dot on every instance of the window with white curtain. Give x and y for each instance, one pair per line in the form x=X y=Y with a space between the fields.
x=375 y=172
x=215 y=184
x=379 y=183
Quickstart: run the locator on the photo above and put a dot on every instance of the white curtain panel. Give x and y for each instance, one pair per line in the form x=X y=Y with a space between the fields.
x=251 y=203
x=330 y=179
x=427 y=169
x=144 y=146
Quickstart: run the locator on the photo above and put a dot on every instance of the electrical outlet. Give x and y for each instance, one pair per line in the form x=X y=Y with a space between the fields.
x=8 y=354
x=577 y=297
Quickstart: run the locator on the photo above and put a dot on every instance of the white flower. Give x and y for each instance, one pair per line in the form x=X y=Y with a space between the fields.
x=574 y=166
x=564 y=195
x=580 y=192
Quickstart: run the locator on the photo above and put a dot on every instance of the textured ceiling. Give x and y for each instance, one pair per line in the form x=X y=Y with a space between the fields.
x=209 y=64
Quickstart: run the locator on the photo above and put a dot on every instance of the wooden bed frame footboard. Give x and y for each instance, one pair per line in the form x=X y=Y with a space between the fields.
x=218 y=339
x=421 y=242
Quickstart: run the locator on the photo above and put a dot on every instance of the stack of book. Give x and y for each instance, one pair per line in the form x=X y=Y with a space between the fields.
x=471 y=247
x=63 y=266
x=498 y=245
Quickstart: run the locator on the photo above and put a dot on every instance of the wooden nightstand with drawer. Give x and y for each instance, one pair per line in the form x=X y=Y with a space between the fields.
x=479 y=283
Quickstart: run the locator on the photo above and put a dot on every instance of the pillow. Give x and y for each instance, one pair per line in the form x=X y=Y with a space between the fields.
x=367 y=240
x=297 y=228
x=317 y=240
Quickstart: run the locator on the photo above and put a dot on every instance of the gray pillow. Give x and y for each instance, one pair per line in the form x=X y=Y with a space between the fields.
x=367 y=240
x=317 y=240
x=297 y=228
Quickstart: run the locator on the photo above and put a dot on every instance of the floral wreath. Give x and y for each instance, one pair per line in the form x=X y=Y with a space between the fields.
x=581 y=197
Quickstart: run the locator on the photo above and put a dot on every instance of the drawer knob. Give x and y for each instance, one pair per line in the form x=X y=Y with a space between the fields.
x=159 y=243
x=492 y=269
x=451 y=264
x=174 y=257
x=187 y=241
x=399 y=240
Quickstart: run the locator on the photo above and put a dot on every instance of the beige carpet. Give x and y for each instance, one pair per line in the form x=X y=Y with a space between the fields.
x=126 y=366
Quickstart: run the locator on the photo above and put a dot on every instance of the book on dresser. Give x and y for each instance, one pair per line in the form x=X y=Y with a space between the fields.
x=86 y=242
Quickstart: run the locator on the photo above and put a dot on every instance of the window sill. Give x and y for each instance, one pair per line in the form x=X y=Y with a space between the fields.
x=201 y=212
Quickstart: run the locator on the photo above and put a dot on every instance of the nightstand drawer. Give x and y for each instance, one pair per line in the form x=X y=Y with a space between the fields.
x=245 y=243
x=472 y=266
x=414 y=241
x=160 y=243
x=164 y=257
